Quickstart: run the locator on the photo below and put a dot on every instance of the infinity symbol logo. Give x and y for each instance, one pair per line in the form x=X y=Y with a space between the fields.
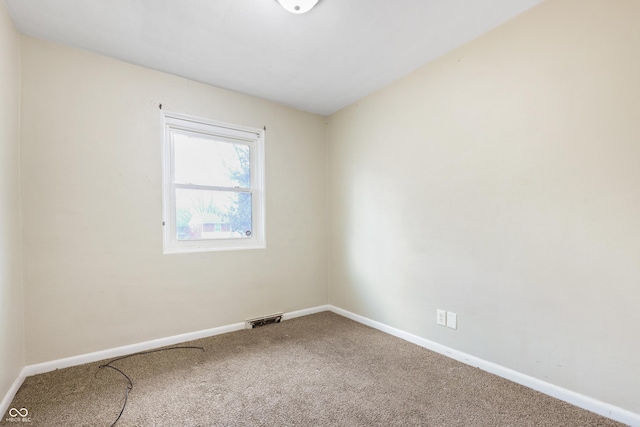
x=22 y=412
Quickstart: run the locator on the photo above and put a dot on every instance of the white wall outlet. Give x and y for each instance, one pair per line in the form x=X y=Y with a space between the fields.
x=441 y=317
x=452 y=320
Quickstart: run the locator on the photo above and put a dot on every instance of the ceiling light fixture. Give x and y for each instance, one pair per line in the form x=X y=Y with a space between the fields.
x=298 y=6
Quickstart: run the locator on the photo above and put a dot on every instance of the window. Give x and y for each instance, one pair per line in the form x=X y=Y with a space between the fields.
x=213 y=185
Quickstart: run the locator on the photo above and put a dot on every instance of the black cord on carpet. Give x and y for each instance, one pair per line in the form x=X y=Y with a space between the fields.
x=130 y=386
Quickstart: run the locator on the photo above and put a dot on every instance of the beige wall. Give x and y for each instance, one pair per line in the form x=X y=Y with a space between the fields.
x=95 y=275
x=502 y=182
x=11 y=305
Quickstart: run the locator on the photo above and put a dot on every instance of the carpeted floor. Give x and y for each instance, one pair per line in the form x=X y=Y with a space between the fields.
x=318 y=370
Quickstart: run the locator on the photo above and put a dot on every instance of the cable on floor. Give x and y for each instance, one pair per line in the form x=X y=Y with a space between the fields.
x=130 y=386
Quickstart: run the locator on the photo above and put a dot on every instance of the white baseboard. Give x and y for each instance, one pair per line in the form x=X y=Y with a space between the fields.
x=52 y=365
x=41 y=368
x=6 y=401
x=305 y=312
x=576 y=399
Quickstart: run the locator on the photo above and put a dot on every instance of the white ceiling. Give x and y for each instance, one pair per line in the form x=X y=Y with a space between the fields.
x=320 y=61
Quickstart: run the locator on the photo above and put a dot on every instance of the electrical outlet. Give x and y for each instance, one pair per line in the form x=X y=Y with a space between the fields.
x=452 y=320
x=441 y=317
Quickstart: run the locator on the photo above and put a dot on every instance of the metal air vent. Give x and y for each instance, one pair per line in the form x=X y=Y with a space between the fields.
x=264 y=320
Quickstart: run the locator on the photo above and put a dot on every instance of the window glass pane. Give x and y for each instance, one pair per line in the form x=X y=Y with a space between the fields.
x=207 y=161
x=205 y=214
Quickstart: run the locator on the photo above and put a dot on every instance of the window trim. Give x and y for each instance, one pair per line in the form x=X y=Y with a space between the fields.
x=254 y=138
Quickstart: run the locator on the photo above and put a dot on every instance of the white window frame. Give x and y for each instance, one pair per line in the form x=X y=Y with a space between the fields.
x=254 y=138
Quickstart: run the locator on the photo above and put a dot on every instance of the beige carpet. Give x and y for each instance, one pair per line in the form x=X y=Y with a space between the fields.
x=318 y=370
